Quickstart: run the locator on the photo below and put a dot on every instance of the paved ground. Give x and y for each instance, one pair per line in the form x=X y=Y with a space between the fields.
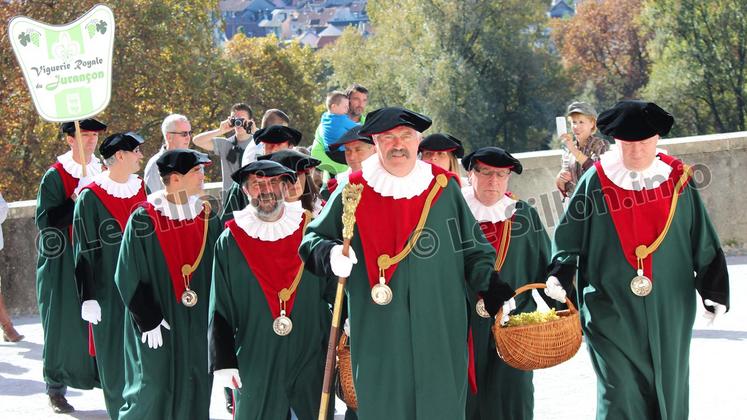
x=562 y=393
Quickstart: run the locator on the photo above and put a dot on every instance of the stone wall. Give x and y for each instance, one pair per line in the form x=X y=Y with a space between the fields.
x=720 y=163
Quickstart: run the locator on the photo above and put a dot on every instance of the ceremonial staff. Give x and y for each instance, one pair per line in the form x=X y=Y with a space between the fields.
x=351 y=195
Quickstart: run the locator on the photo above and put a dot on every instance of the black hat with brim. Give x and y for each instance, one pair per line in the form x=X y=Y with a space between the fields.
x=442 y=143
x=89 y=124
x=350 y=136
x=277 y=134
x=292 y=159
x=385 y=119
x=181 y=161
x=633 y=120
x=263 y=168
x=492 y=156
x=120 y=141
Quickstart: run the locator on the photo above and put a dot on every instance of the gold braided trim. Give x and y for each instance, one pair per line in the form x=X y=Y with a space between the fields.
x=286 y=293
x=643 y=251
x=188 y=269
x=503 y=247
x=385 y=261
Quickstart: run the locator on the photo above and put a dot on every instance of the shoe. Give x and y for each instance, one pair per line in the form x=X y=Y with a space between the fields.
x=10 y=334
x=60 y=405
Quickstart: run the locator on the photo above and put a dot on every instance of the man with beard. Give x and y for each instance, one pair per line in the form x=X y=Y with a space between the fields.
x=408 y=318
x=101 y=213
x=358 y=97
x=273 y=139
x=65 y=355
x=268 y=316
x=163 y=275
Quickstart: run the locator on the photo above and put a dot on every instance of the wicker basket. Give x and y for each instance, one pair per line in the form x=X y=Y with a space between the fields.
x=345 y=373
x=537 y=346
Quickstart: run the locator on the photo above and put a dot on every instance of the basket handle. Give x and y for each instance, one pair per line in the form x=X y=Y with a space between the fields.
x=531 y=286
x=343 y=341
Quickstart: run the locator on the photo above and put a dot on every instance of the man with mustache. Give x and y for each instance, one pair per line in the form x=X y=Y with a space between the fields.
x=406 y=299
x=269 y=317
x=101 y=213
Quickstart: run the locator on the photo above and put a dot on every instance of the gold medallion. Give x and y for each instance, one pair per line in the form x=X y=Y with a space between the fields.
x=282 y=325
x=381 y=294
x=189 y=298
x=480 y=309
x=641 y=285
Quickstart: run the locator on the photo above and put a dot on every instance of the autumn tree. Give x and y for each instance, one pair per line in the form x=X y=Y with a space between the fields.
x=700 y=63
x=604 y=45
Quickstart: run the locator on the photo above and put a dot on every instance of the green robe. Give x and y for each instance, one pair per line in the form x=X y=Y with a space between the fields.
x=277 y=373
x=504 y=392
x=172 y=381
x=639 y=346
x=65 y=355
x=96 y=249
x=409 y=358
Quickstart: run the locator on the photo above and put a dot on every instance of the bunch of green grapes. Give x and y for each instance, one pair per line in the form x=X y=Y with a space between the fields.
x=528 y=318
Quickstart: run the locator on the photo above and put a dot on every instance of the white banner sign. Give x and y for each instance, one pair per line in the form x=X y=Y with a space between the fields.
x=68 y=68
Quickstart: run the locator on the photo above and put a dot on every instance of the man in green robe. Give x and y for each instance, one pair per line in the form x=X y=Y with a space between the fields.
x=163 y=275
x=638 y=237
x=269 y=318
x=408 y=313
x=65 y=355
x=101 y=213
x=522 y=247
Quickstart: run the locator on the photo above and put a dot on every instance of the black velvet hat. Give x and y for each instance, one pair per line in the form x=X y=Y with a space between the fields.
x=292 y=159
x=264 y=168
x=442 y=143
x=350 y=136
x=120 y=141
x=635 y=120
x=277 y=134
x=89 y=124
x=385 y=119
x=180 y=160
x=492 y=156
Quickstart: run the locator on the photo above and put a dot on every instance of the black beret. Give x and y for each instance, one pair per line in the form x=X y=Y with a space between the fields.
x=120 y=141
x=292 y=159
x=264 y=168
x=492 y=156
x=384 y=119
x=350 y=136
x=442 y=143
x=180 y=160
x=635 y=120
x=89 y=124
x=277 y=134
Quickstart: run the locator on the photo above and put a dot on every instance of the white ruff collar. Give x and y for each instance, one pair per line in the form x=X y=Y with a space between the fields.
x=288 y=223
x=397 y=187
x=173 y=211
x=116 y=189
x=76 y=169
x=498 y=212
x=649 y=178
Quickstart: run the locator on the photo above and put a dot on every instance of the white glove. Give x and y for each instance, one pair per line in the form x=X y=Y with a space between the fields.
x=554 y=289
x=153 y=337
x=508 y=306
x=84 y=181
x=227 y=378
x=342 y=265
x=718 y=310
x=91 y=311
x=346 y=327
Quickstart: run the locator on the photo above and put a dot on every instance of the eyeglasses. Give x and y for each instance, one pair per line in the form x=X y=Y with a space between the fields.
x=181 y=133
x=486 y=173
x=405 y=137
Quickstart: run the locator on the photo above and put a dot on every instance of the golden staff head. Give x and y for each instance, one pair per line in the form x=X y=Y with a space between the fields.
x=351 y=196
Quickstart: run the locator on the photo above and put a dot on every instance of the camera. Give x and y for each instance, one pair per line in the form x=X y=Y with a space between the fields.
x=240 y=122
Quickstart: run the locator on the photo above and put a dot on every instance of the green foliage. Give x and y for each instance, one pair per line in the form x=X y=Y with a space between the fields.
x=700 y=63
x=480 y=69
